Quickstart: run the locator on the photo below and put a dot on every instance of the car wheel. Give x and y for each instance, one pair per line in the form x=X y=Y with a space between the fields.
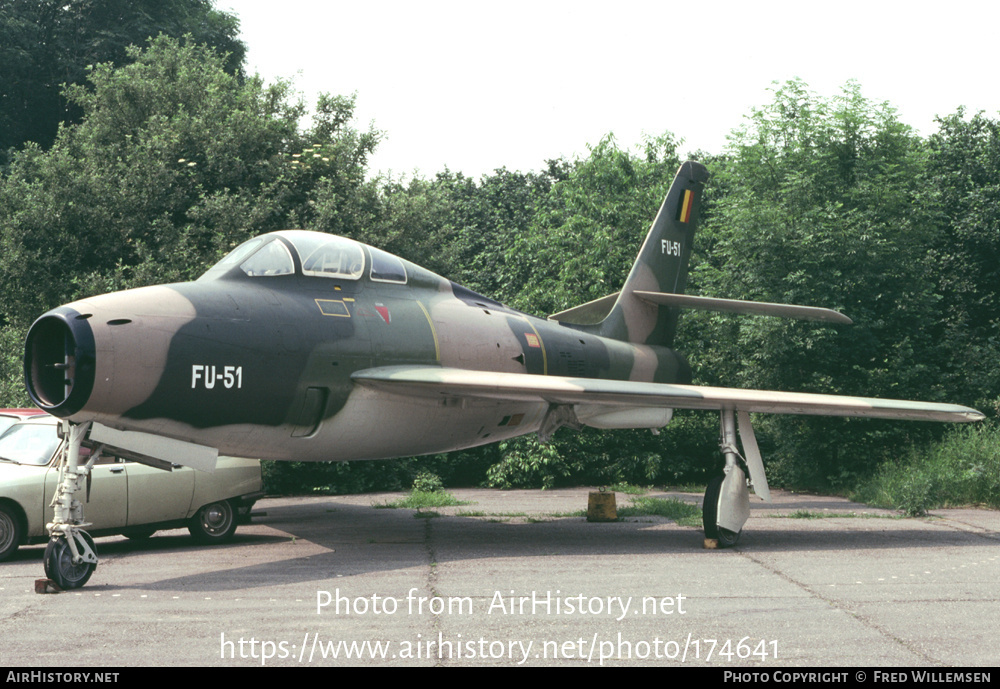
x=214 y=523
x=10 y=532
x=59 y=565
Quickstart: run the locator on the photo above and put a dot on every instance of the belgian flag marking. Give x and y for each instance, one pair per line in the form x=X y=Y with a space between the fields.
x=687 y=201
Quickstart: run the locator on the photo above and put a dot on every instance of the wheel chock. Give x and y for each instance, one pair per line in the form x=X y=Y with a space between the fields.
x=601 y=507
x=711 y=544
x=46 y=586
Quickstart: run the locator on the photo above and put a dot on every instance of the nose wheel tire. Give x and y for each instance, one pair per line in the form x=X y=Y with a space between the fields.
x=214 y=523
x=59 y=566
x=710 y=515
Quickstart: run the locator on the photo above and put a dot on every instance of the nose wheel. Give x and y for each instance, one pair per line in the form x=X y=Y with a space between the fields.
x=69 y=569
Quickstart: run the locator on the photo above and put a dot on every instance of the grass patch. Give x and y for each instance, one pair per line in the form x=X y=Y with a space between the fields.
x=806 y=514
x=962 y=469
x=688 y=488
x=628 y=489
x=671 y=508
x=420 y=499
x=483 y=513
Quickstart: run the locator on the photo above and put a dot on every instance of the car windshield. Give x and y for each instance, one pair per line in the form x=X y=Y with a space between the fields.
x=27 y=443
x=6 y=422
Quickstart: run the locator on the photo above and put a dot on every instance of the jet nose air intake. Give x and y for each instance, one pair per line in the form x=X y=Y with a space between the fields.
x=59 y=361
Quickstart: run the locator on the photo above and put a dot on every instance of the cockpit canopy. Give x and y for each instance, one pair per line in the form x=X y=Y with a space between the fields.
x=316 y=254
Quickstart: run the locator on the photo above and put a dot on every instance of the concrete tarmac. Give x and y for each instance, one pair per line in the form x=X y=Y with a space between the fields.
x=517 y=578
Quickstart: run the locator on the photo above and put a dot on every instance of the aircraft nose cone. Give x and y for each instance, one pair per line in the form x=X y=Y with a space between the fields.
x=59 y=361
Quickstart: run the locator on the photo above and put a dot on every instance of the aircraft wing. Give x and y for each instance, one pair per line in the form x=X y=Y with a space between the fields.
x=436 y=381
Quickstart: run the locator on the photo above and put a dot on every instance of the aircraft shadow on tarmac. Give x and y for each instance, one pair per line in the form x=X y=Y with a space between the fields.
x=347 y=540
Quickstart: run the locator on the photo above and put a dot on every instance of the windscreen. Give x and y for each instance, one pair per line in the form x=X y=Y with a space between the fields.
x=27 y=443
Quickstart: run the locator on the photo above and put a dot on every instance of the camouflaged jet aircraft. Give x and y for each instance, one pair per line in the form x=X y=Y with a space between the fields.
x=311 y=347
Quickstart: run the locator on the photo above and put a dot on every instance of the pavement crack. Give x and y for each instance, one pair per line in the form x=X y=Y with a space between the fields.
x=839 y=605
x=435 y=618
x=972 y=529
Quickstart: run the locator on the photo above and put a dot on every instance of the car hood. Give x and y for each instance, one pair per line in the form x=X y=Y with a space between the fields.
x=14 y=473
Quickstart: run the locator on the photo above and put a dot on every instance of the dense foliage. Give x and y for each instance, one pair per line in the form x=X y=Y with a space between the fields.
x=176 y=157
x=45 y=44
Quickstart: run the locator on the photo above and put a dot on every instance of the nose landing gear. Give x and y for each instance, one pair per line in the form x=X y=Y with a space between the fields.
x=70 y=556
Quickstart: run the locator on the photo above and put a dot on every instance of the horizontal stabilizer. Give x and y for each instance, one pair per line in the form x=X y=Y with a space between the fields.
x=595 y=311
x=761 y=308
x=591 y=313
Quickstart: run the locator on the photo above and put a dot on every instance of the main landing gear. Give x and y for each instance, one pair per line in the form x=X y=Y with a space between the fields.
x=70 y=557
x=727 y=498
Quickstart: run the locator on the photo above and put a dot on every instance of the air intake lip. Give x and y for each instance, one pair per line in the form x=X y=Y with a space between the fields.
x=59 y=361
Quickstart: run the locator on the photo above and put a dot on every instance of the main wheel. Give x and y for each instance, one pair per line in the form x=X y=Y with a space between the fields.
x=10 y=532
x=214 y=523
x=59 y=565
x=710 y=515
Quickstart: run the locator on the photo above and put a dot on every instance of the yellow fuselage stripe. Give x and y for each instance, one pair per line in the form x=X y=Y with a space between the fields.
x=437 y=347
x=545 y=358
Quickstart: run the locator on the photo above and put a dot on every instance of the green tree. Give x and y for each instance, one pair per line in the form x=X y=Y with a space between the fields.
x=175 y=161
x=12 y=391
x=963 y=180
x=578 y=245
x=583 y=240
x=488 y=220
x=822 y=205
x=451 y=224
x=45 y=44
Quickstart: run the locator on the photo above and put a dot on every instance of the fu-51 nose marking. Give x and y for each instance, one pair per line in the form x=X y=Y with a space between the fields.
x=207 y=376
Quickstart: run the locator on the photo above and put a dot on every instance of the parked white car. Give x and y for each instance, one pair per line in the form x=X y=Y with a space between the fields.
x=8 y=417
x=124 y=497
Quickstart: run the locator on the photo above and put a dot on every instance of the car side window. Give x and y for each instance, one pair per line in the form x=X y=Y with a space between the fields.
x=105 y=459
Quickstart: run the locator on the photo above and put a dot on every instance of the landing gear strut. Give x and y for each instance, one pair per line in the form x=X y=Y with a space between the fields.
x=70 y=557
x=727 y=498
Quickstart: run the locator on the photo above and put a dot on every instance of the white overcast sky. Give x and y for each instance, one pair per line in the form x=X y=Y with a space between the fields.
x=475 y=86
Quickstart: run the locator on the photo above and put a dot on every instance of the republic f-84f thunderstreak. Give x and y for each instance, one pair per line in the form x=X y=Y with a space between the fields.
x=311 y=347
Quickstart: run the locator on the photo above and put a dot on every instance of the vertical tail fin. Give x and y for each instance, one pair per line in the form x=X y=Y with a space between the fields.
x=662 y=265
